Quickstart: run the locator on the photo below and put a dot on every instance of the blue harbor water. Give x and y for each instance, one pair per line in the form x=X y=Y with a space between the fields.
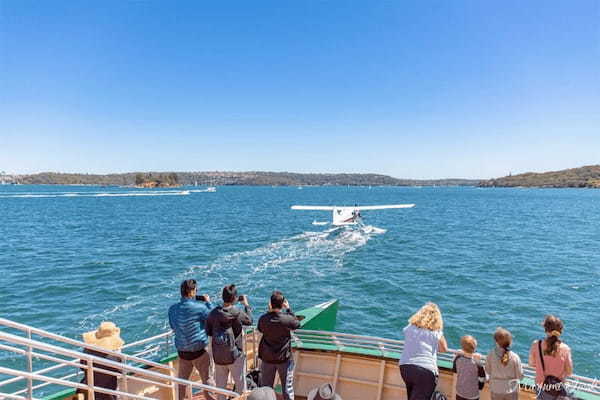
x=71 y=257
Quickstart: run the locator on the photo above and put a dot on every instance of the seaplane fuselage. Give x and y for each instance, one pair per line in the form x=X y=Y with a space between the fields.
x=345 y=216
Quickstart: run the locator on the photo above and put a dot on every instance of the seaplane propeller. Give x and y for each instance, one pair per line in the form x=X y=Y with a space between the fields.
x=349 y=215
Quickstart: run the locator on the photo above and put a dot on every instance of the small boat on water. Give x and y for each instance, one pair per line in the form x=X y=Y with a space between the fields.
x=359 y=367
x=209 y=189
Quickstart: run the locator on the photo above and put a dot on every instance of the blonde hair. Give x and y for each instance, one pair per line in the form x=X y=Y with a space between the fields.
x=428 y=317
x=504 y=339
x=468 y=344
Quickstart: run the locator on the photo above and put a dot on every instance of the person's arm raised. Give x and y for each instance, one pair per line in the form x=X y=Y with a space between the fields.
x=292 y=322
x=245 y=316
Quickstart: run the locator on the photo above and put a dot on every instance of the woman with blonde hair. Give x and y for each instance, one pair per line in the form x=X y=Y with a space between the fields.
x=504 y=368
x=551 y=359
x=423 y=338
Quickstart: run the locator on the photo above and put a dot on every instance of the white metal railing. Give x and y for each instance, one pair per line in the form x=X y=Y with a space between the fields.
x=54 y=369
x=63 y=358
x=345 y=342
x=161 y=344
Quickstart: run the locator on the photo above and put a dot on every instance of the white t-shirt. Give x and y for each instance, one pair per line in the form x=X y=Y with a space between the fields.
x=420 y=347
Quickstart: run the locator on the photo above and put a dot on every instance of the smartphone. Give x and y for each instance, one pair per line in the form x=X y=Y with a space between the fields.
x=201 y=298
x=241 y=298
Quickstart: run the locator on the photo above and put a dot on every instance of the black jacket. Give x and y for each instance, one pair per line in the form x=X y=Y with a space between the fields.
x=226 y=317
x=275 y=345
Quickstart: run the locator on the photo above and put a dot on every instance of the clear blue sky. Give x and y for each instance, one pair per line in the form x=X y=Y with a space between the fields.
x=422 y=89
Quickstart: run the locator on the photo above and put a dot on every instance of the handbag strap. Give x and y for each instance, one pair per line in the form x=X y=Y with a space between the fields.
x=541 y=356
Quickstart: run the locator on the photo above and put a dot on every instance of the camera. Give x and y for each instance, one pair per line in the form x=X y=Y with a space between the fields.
x=201 y=297
x=241 y=297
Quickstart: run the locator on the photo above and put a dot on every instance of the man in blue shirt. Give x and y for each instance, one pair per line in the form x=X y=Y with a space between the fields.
x=187 y=319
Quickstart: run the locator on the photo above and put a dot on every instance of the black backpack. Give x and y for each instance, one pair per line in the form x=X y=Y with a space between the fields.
x=224 y=348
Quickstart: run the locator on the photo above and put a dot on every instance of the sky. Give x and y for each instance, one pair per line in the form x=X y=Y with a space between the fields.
x=412 y=89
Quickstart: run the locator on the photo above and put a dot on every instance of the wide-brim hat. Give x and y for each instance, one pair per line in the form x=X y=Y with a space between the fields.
x=324 y=392
x=106 y=336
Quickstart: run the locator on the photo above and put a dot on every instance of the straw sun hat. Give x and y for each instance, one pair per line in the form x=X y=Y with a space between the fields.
x=106 y=336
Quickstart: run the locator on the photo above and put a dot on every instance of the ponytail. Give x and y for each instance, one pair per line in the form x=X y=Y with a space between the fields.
x=553 y=327
x=504 y=339
x=506 y=356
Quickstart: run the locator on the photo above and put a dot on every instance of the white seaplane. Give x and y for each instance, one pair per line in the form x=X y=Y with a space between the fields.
x=342 y=216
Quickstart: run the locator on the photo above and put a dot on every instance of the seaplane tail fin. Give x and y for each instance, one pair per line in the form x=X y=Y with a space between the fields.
x=361 y=208
x=317 y=208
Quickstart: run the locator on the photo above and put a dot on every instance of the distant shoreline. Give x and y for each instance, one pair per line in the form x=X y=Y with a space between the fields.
x=583 y=177
x=133 y=179
x=586 y=177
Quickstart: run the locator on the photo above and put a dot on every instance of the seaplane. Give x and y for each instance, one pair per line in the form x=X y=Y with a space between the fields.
x=347 y=215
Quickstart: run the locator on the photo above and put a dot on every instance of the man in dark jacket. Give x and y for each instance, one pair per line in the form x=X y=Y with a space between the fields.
x=225 y=325
x=275 y=349
x=187 y=319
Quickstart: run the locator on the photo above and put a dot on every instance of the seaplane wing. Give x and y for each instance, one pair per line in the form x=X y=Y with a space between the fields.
x=316 y=208
x=349 y=215
x=384 y=207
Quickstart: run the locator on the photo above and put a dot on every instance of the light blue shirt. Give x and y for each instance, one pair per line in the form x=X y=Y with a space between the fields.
x=187 y=319
x=420 y=347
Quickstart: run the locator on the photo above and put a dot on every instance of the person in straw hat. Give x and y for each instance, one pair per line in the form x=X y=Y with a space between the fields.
x=107 y=336
x=324 y=392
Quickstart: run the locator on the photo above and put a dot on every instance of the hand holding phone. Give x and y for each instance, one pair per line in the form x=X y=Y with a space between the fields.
x=244 y=300
x=203 y=297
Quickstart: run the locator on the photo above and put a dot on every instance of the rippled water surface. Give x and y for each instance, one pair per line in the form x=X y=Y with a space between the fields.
x=71 y=257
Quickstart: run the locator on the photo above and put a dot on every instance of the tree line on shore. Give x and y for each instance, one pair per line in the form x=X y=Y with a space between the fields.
x=583 y=177
x=253 y=178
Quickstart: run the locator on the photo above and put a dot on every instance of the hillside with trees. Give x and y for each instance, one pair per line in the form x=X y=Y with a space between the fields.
x=213 y=178
x=152 y=180
x=583 y=177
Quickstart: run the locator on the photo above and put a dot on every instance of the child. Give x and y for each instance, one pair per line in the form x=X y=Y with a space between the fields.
x=504 y=368
x=470 y=375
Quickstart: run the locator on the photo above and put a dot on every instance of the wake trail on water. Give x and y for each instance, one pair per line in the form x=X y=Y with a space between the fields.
x=333 y=243
x=249 y=267
x=97 y=194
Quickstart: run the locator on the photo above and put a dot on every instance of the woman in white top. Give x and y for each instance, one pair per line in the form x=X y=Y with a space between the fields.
x=423 y=338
